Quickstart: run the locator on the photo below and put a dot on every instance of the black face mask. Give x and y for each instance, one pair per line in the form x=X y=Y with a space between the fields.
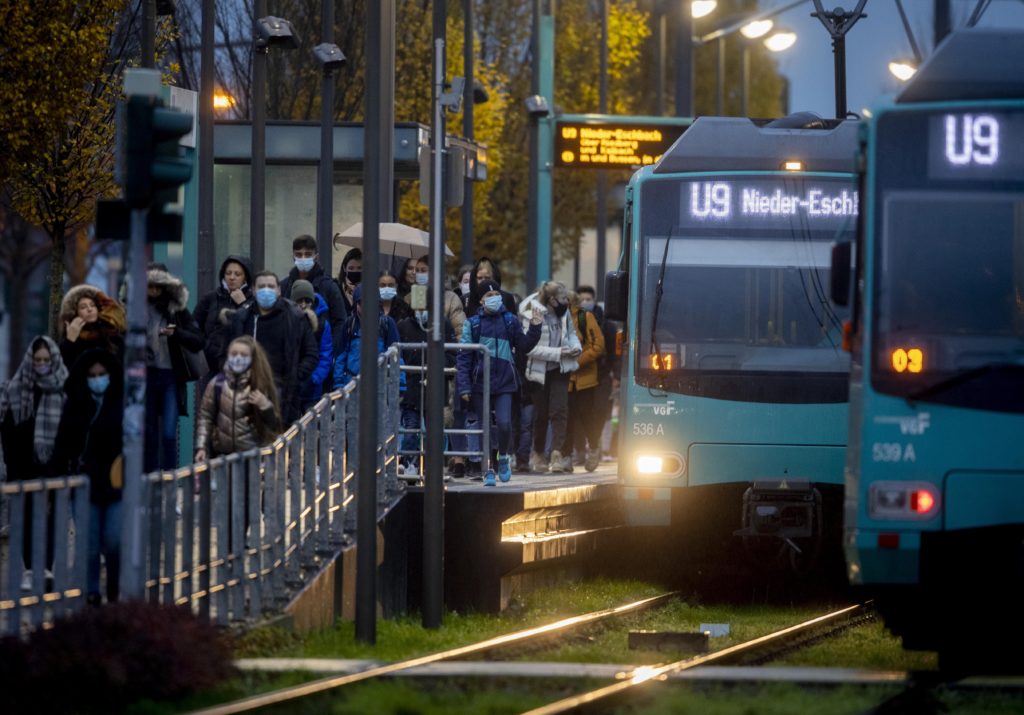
x=354 y=277
x=560 y=309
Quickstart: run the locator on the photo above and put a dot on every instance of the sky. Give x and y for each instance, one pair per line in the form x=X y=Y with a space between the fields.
x=870 y=45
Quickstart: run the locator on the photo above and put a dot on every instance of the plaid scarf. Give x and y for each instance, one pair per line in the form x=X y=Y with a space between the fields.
x=18 y=398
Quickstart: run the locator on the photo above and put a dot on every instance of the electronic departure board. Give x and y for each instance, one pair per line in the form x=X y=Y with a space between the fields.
x=609 y=145
x=976 y=144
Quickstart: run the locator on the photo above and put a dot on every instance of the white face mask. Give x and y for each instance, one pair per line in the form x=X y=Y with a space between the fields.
x=464 y=287
x=239 y=363
x=422 y=278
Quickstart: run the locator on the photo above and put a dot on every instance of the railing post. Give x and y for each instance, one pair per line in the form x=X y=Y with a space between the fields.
x=220 y=498
x=352 y=420
x=252 y=466
x=205 y=541
x=188 y=535
x=275 y=520
x=61 y=526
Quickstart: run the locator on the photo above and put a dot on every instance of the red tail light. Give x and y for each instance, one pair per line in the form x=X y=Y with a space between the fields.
x=922 y=501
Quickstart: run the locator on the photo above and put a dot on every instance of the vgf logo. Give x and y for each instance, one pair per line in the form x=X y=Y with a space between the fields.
x=916 y=425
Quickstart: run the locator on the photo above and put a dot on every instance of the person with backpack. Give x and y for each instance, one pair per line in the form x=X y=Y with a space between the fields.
x=346 y=365
x=586 y=416
x=314 y=307
x=308 y=268
x=499 y=330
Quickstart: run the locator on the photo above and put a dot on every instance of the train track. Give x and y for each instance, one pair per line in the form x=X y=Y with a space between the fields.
x=519 y=638
x=799 y=635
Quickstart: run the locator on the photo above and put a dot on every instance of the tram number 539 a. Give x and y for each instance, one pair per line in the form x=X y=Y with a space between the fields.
x=648 y=429
x=893 y=452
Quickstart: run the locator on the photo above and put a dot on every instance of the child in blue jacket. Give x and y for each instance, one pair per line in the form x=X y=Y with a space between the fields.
x=346 y=366
x=500 y=331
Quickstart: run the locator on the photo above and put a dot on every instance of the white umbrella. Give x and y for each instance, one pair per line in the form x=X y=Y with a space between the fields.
x=396 y=239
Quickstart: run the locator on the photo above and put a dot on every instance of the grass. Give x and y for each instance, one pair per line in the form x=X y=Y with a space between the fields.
x=773 y=699
x=868 y=646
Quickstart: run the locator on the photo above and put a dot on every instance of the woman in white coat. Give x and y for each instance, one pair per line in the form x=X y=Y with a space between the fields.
x=547 y=373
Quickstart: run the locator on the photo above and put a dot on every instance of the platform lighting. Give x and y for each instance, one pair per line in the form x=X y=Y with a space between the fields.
x=757 y=28
x=902 y=69
x=702 y=8
x=780 y=40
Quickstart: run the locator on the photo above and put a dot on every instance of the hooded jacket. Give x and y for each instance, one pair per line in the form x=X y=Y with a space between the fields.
x=173 y=305
x=504 y=337
x=89 y=435
x=285 y=334
x=347 y=364
x=227 y=425
x=593 y=349
x=543 y=354
x=317 y=316
x=328 y=290
x=217 y=333
x=107 y=333
x=509 y=300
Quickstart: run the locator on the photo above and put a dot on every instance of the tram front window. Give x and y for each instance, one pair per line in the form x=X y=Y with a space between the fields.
x=744 y=312
x=950 y=292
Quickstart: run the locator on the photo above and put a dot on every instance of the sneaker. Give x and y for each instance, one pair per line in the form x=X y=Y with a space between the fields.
x=411 y=471
x=473 y=469
x=400 y=469
x=458 y=469
x=560 y=463
x=537 y=463
x=592 y=460
x=504 y=469
x=26 y=580
x=521 y=465
x=489 y=479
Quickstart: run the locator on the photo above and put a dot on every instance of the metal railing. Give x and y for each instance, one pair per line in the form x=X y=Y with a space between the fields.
x=231 y=538
x=483 y=430
x=53 y=516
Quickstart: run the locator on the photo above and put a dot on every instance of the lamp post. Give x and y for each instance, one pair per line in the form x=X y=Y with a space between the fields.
x=685 y=13
x=330 y=58
x=902 y=69
x=206 y=249
x=838 y=22
x=269 y=31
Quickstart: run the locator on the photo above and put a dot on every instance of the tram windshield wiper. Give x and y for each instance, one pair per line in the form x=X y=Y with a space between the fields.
x=659 y=290
x=1008 y=368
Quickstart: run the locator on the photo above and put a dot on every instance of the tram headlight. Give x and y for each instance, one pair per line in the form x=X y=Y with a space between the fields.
x=649 y=464
x=665 y=464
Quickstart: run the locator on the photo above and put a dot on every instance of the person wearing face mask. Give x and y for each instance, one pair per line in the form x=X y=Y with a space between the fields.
x=89 y=442
x=285 y=334
x=314 y=307
x=487 y=268
x=240 y=408
x=350 y=275
x=30 y=409
x=607 y=364
x=504 y=337
x=233 y=292
x=454 y=312
x=463 y=285
x=547 y=371
x=390 y=304
x=170 y=332
x=346 y=365
x=307 y=268
x=586 y=417
x=414 y=329
x=89 y=318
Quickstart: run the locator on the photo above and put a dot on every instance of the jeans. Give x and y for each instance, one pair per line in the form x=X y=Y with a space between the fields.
x=502 y=407
x=550 y=404
x=161 y=420
x=410 y=420
x=523 y=429
x=105 y=538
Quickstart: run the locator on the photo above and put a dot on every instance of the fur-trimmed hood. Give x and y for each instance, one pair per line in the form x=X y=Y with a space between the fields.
x=111 y=312
x=173 y=288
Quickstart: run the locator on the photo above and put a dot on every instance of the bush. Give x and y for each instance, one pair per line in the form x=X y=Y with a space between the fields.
x=102 y=659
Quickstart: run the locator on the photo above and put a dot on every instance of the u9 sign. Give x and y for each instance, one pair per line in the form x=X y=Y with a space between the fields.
x=611 y=145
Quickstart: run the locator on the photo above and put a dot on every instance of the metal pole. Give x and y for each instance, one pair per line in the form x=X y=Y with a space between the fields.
x=602 y=177
x=149 y=33
x=943 y=20
x=433 y=469
x=745 y=82
x=839 y=57
x=532 y=222
x=206 y=249
x=720 y=78
x=466 y=251
x=257 y=194
x=659 y=75
x=132 y=573
x=684 y=59
x=377 y=159
x=325 y=172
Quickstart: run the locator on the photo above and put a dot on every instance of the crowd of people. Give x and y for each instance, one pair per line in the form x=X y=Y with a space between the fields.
x=262 y=349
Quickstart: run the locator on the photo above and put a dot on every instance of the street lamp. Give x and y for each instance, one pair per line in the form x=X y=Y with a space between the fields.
x=702 y=8
x=757 y=28
x=330 y=58
x=780 y=40
x=902 y=69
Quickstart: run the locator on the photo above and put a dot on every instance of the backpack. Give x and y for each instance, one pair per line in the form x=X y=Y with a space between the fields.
x=511 y=325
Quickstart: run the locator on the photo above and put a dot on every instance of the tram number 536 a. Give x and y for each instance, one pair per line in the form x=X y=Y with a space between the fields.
x=648 y=429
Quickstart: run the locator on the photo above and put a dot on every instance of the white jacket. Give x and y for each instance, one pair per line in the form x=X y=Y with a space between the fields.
x=541 y=356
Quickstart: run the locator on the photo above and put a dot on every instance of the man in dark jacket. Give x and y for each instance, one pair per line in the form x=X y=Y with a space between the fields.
x=308 y=268
x=284 y=332
x=234 y=292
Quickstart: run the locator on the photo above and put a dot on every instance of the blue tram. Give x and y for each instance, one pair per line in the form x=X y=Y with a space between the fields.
x=935 y=471
x=733 y=408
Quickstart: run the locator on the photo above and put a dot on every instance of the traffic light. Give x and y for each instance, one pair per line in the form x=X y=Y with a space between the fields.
x=153 y=165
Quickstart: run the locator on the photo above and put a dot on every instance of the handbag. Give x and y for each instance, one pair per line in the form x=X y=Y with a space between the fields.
x=195 y=364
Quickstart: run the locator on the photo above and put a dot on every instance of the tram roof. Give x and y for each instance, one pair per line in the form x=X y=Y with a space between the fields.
x=971 y=64
x=741 y=144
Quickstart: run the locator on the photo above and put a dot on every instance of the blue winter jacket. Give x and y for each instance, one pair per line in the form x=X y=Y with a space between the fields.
x=346 y=365
x=323 y=368
x=504 y=337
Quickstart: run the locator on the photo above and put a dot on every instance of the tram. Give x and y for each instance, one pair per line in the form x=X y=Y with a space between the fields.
x=934 y=506
x=734 y=381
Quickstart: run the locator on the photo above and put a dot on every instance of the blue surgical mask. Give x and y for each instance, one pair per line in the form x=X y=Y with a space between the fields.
x=388 y=293
x=98 y=384
x=492 y=303
x=266 y=297
x=587 y=305
x=305 y=265
x=422 y=278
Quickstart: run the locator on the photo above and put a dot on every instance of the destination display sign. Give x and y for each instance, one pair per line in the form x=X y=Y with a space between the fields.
x=976 y=145
x=612 y=145
x=816 y=203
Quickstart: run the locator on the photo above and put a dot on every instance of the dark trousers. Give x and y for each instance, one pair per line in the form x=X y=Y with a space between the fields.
x=161 y=420
x=550 y=404
x=586 y=418
x=501 y=405
x=522 y=429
